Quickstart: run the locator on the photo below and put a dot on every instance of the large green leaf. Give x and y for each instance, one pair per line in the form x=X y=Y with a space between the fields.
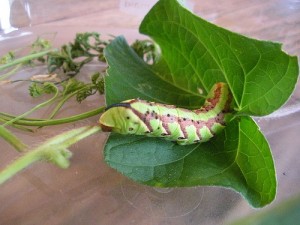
x=239 y=158
x=198 y=54
x=195 y=55
x=251 y=172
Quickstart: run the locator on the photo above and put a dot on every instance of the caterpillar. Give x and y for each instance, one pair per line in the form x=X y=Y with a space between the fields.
x=140 y=117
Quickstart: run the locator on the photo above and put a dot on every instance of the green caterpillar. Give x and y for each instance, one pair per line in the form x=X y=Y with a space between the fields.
x=184 y=126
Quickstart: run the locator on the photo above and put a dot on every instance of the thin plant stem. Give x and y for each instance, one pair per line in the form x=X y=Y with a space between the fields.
x=12 y=139
x=62 y=102
x=14 y=70
x=51 y=122
x=34 y=108
x=54 y=151
x=20 y=127
x=24 y=59
x=59 y=106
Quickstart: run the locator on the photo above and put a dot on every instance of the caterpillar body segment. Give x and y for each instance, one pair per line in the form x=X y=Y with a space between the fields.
x=184 y=126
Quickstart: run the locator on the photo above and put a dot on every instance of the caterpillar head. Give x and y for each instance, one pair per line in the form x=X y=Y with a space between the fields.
x=121 y=119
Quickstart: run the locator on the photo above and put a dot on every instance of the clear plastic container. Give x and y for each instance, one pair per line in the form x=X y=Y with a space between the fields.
x=89 y=192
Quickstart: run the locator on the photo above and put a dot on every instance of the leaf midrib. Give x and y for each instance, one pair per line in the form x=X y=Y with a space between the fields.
x=207 y=49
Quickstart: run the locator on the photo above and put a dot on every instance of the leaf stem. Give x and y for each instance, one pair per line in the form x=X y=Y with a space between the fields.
x=34 y=108
x=51 y=122
x=24 y=59
x=59 y=105
x=12 y=139
x=20 y=127
x=14 y=70
x=54 y=150
x=62 y=102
